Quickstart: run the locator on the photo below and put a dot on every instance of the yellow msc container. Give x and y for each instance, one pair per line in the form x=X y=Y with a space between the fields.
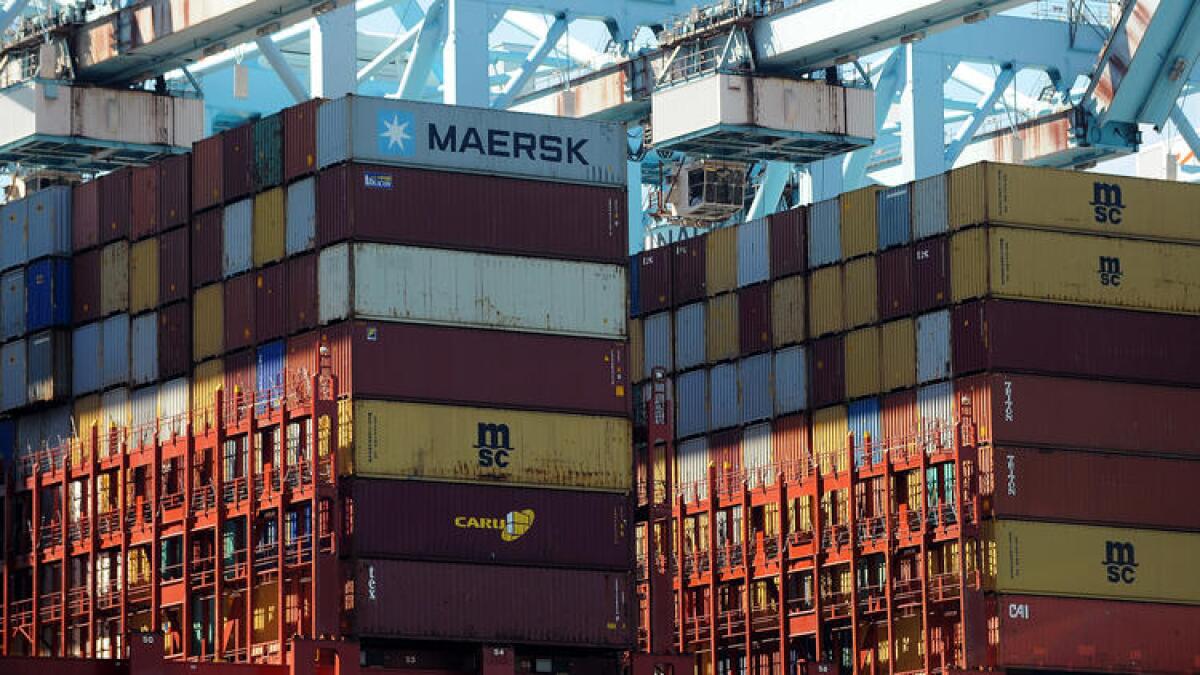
x=787 y=311
x=1113 y=563
x=898 y=355
x=269 y=217
x=143 y=276
x=207 y=378
x=208 y=322
x=1075 y=268
x=860 y=286
x=452 y=443
x=114 y=278
x=830 y=431
x=825 y=301
x=1074 y=201
x=720 y=260
x=637 y=358
x=860 y=231
x=862 y=362
x=721 y=327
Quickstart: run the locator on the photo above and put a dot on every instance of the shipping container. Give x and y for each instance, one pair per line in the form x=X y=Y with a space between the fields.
x=174 y=191
x=237 y=238
x=690 y=324
x=933 y=346
x=691 y=458
x=722 y=328
x=899 y=420
x=788 y=246
x=753 y=252
x=143 y=276
x=268 y=151
x=237 y=159
x=402 y=283
x=894 y=212
x=85 y=216
x=654 y=280
x=788 y=311
x=300 y=228
x=270 y=360
x=637 y=350
x=931 y=274
x=39 y=430
x=114 y=351
x=635 y=287
x=827 y=371
x=114 y=278
x=897 y=355
x=754 y=318
x=115 y=204
x=895 y=283
x=723 y=396
x=13 y=375
x=208 y=322
x=757 y=458
x=865 y=422
x=174 y=339
x=691 y=390
x=688 y=270
x=725 y=451
x=720 y=260
x=656 y=341
x=238 y=306
x=114 y=414
x=791 y=380
x=206 y=248
x=240 y=379
x=47 y=294
x=270 y=302
x=207 y=170
x=860 y=281
x=930 y=216
x=144 y=206
x=825 y=298
x=862 y=362
x=208 y=378
x=14 y=239
x=425 y=135
x=301 y=305
x=12 y=303
x=824 y=233
x=830 y=433
x=50 y=222
x=860 y=231
x=789 y=442
x=174 y=406
x=85 y=359
x=936 y=416
x=268 y=228
x=755 y=401
x=49 y=366
x=174 y=264
x=143 y=413
x=300 y=139
x=143 y=342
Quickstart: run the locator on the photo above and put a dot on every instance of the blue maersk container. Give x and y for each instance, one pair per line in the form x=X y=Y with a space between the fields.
x=47 y=294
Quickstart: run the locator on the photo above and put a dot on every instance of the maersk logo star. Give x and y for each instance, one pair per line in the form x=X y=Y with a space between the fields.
x=396 y=133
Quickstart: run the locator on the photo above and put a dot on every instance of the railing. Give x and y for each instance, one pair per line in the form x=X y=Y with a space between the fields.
x=298 y=550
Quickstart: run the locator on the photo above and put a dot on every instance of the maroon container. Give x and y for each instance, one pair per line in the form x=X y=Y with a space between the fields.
x=206 y=248
x=207 y=171
x=444 y=365
x=754 y=318
x=725 y=450
x=688 y=271
x=85 y=216
x=270 y=302
x=115 y=205
x=788 y=230
x=239 y=311
x=144 y=209
x=174 y=339
x=654 y=280
x=931 y=273
x=466 y=523
x=174 y=264
x=240 y=377
x=302 y=293
x=237 y=157
x=174 y=185
x=827 y=368
x=898 y=411
x=493 y=603
x=300 y=139
x=470 y=211
x=1036 y=337
x=85 y=286
x=895 y=283
x=1052 y=412
x=1103 y=489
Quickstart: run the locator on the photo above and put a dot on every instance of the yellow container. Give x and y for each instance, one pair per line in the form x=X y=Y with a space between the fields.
x=1076 y=269
x=830 y=431
x=860 y=231
x=451 y=443
x=87 y=412
x=143 y=276
x=720 y=260
x=208 y=322
x=825 y=301
x=861 y=288
x=898 y=355
x=1095 y=562
x=114 y=278
x=207 y=379
x=862 y=362
x=787 y=311
x=721 y=324
x=1073 y=201
x=268 y=227
x=637 y=359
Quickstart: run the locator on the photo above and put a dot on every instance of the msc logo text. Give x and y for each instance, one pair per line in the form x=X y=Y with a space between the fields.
x=1119 y=562
x=1110 y=271
x=493 y=445
x=1107 y=203
x=512 y=526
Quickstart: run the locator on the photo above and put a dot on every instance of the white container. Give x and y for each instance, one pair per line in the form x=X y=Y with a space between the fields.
x=143 y=408
x=756 y=455
x=754 y=255
x=656 y=334
x=301 y=226
x=824 y=233
x=929 y=212
x=935 y=415
x=692 y=459
x=237 y=237
x=174 y=401
x=144 y=349
x=114 y=420
x=933 y=346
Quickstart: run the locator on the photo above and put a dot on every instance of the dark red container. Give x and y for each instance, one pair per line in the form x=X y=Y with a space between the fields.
x=754 y=318
x=302 y=293
x=85 y=286
x=789 y=441
x=270 y=302
x=473 y=367
x=239 y=311
x=1016 y=336
x=1102 y=489
x=827 y=368
x=145 y=193
x=464 y=522
x=688 y=271
x=174 y=339
x=85 y=215
x=931 y=273
x=175 y=188
x=206 y=248
x=895 y=283
x=174 y=263
x=207 y=173
x=654 y=280
x=115 y=205
x=300 y=139
x=725 y=450
x=788 y=230
x=899 y=419
x=471 y=211
x=492 y=603
x=1054 y=412
x=239 y=373
x=237 y=158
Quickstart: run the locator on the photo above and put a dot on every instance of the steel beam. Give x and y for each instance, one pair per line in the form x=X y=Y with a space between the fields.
x=9 y=15
x=982 y=111
x=921 y=116
x=465 y=55
x=401 y=43
x=886 y=87
x=333 y=43
x=271 y=53
x=420 y=61
x=1186 y=129
x=770 y=190
x=527 y=70
x=1160 y=102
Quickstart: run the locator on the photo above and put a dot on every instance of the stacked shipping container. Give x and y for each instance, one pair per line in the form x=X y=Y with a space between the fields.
x=917 y=359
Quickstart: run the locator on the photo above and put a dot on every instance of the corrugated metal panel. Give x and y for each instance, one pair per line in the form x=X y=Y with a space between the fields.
x=688 y=270
x=933 y=346
x=935 y=415
x=824 y=233
x=269 y=375
x=14 y=245
x=899 y=411
x=692 y=458
x=895 y=283
x=788 y=311
x=720 y=260
x=13 y=375
x=754 y=388
x=114 y=415
x=270 y=302
x=114 y=350
x=754 y=258
x=174 y=339
x=789 y=247
x=301 y=226
x=930 y=216
x=174 y=266
x=723 y=396
x=144 y=348
x=689 y=335
x=827 y=372
x=50 y=222
x=791 y=380
x=825 y=302
x=237 y=155
x=174 y=402
x=143 y=413
x=239 y=312
x=85 y=359
x=114 y=278
x=654 y=280
x=301 y=291
x=757 y=459
x=862 y=362
x=417 y=441
x=85 y=286
x=898 y=355
x=268 y=236
x=830 y=428
x=725 y=451
x=692 y=391
x=931 y=274
x=894 y=213
x=12 y=304
x=115 y=195
x=49 y=366
x=754 y=318
x=268 y=151
x=144 y=212
x=237 y=241
x=722 y=328
x=860 y=233
x=207 y=260
x=860 y=284
x=87 y=415
x=207 y=379
x=85 y=216
x=637 y=350
x=47 y=294
x=208 y=322
x=300 y=139
x=864 y=421
x=174 y=184
x=143 y=276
